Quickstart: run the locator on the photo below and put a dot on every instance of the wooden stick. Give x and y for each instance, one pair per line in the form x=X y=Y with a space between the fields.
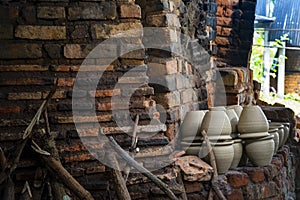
x=120 y=184
x=132 y=150
x=58 y=170
x=214 y=166
x=141 y=169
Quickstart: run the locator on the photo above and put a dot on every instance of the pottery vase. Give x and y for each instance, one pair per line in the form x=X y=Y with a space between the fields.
x=216 y=124
x=237 y=108
x=260 y=150
x=233 y=118
x=280 y=132
x=238 y=152
x=286 y=128
x=274 y=132
x=252 y=120
x=192 y=123
x=224 y=155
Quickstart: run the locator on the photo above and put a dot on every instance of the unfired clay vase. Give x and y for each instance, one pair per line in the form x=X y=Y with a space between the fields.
x=280 y=132
x=224 y=154
x=252 y=120
x=260 y=150
x=237 y=108
x=233 y=118
x=238 y=152
x=192 y=123
x=216 y=124
x=274 y=132
x=286 y=129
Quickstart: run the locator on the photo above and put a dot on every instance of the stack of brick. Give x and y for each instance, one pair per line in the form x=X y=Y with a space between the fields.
x=235 y=26
x=292 y=83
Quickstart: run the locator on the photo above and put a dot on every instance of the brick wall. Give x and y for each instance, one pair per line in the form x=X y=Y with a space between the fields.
x=292 y=83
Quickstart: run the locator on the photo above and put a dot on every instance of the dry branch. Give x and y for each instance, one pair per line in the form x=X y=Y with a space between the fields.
x=165 y=188
x=58 y=170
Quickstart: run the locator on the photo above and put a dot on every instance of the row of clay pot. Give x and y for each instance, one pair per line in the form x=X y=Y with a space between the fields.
x=260 y=139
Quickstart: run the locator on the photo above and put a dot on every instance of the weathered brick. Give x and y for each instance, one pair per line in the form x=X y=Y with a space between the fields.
x=41 y=32
x=163 y=20
x=21 y=51
x=24 y=96
x=102 y=10
x=6 y=31
x=78 y=157
x=69 y=82
x=132 y=62
x=27 y=81
x=83 y=119
x=191 y=187
x=237 y=179
x=168 y=100
x=104 y=31
x=229 y=77
x=28 y=14
x=256 y=174
x=82 y=51
x=188 y=95
x=10 y=109
x=130 y=11
x=15 y=68
x=224 y=21
x=95 y=169
x=46 y=12
x=224 y=41
x=79 y=31
x=235 y=194
x=163 y=83
x=105 y=93
x=164 y=67
x=53 y=50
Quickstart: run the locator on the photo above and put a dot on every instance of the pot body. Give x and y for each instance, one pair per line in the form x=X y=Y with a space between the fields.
x=238 y=152
x=252 y=120
x=192 y=123
x=280 y=132
x=224 y=154
x=237 y=108
x=260 y=151
x=216 y=124
x=233 y=118
x=274 y=132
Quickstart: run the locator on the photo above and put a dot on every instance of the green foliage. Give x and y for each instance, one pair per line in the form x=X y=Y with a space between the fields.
x=257 y=56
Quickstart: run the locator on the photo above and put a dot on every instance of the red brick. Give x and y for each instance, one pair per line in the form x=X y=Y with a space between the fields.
x=130 y=11
x=104 y=106
x=24 y=96
x=256 y=174
x=88 y=132
x=237 y=179
x=224 y=41
x=235 y=194
x=10 y=109
x=105 y=93
x=224 y=21
x=78 y=157
x=191 y=187
x=69 y=82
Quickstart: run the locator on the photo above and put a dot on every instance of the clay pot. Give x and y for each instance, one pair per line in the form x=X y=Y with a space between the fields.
x=224 y=154
x=237 y=108
x=280 y=132
x=216 y=124
x=192 y=123
x=286 y=129
x=252 y=120
x=260 y=150
x=238 y=152
x=191 y=148
x=274 y=132
x=233 y=118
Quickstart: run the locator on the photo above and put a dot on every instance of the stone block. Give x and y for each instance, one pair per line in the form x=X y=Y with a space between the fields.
x=163 y=20
x=126 y=29
x=79 y=31
x=16 y=51
x=96 y=11
x=237 y=179
x=46 y=12
x=130 y=11
x=41 y=32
